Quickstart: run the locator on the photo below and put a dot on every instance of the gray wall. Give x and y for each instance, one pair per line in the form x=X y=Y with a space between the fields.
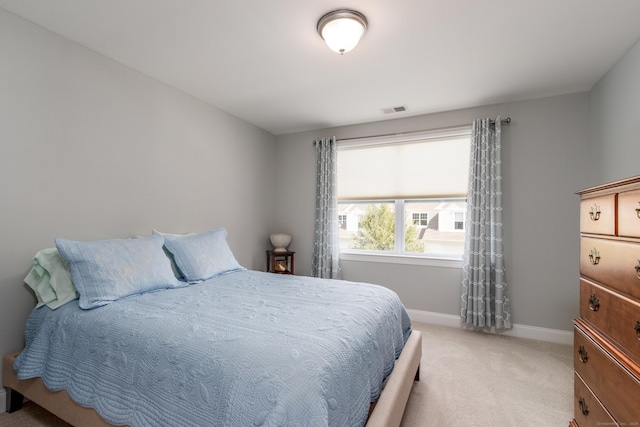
x=614 y=129
x=90 y=149
x=545 y=160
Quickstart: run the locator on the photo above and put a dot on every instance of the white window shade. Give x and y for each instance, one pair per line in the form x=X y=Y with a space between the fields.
x=428 y=167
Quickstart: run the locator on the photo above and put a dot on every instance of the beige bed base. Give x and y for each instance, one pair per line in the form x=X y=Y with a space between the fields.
x=387 y=411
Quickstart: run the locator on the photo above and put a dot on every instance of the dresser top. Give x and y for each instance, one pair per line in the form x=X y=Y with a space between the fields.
x=613 y=187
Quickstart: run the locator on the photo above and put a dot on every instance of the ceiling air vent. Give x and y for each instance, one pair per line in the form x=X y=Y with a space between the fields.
x=392 y=110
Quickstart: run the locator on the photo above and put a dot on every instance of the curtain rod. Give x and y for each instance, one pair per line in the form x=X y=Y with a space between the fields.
x=503 y=121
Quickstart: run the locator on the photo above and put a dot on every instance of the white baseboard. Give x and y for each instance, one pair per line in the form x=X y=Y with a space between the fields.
x=3 y=400
x=521 y=331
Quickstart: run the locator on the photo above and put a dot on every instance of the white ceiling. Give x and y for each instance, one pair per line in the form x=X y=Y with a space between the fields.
x=262 y=60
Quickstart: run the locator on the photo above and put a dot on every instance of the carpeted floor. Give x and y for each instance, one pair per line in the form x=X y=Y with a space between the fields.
x=466 y=379
x=31 y=415
x=482 y=380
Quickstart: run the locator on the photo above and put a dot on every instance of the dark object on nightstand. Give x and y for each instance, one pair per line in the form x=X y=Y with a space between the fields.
x=280 y=262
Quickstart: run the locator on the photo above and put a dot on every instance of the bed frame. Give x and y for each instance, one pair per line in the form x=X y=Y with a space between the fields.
x=387 y=411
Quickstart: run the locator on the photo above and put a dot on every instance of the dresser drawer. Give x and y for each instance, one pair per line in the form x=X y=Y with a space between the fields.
x=629 y=214
x=616 y=388
x=616 y=316
x=613 y=263
x=597 y=215
x=588 y=410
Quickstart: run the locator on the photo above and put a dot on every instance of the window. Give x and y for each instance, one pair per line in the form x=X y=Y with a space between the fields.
x=458 y=220
x=404 y=195
x=420 y=218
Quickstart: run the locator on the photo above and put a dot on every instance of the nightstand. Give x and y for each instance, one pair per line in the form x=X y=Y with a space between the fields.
x=280 y=262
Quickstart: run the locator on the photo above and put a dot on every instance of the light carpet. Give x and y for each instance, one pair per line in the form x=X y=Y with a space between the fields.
x=466 y=379
x=483 y=380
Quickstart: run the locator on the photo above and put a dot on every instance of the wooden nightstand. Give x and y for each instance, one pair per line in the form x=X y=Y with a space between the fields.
x=280 y=262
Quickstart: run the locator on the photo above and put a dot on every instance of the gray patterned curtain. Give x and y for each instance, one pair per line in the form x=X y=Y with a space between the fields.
x=326 y=245
x=485 y=302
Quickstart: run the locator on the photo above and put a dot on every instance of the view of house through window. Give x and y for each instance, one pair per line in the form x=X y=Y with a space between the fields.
x=433 y=227
x=404 y=195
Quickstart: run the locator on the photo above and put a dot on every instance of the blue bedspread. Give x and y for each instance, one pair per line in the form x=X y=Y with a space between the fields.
x=243 y=349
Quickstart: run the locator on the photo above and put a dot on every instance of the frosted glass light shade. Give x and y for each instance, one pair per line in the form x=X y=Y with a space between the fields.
x=342 y=29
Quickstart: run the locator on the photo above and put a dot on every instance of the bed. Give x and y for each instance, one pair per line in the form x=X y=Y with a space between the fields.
x=239 y=347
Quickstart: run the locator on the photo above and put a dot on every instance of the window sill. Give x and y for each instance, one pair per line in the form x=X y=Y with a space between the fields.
x=403 y=259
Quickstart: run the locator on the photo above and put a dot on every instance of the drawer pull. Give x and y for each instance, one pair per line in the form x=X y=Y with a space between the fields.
x=594 y=213
x=582 y=354
x=638 y=210
x=594 y=303
x=583 y=406
x=637 y=329
x=638 y=270
x=594 y=256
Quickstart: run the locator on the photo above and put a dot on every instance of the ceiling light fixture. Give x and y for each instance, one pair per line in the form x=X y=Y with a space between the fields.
x=342 y=29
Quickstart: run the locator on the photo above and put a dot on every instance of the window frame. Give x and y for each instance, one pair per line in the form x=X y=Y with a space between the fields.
x=400 y=225
x=399 y=256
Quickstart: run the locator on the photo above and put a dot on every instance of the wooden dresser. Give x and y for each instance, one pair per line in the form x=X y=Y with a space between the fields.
x=607 y=334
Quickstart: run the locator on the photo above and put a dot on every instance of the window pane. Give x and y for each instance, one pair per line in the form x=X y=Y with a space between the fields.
x=367 y=226
x=435 y=226
x=342 y=221
x=459 y=220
